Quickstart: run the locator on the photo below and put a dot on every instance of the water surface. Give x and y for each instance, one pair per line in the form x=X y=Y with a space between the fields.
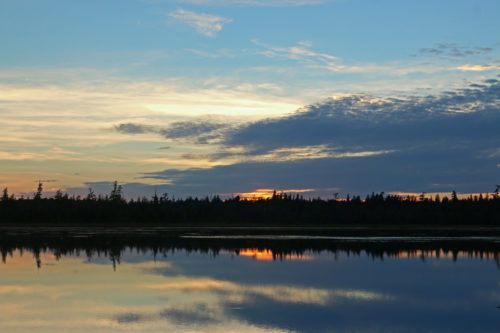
x=244 y=285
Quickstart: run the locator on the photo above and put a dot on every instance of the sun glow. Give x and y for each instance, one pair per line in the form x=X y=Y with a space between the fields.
x=267 y=193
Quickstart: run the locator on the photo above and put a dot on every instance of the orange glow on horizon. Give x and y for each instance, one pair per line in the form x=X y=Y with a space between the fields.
x=267 y=193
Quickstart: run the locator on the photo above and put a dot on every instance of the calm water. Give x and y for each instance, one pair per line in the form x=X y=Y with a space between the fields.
x=242 y=289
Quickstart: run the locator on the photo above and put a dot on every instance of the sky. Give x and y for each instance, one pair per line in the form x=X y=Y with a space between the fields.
x=205 y=97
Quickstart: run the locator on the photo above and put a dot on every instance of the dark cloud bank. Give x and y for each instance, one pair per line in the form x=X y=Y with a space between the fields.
x=434 y=143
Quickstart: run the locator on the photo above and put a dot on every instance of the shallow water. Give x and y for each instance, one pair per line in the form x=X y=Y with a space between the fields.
x=241 y=289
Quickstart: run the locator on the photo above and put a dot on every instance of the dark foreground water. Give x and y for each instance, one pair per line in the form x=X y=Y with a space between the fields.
x=250 y=284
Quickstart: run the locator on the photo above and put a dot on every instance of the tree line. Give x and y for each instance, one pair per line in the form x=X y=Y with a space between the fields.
x=280 y=209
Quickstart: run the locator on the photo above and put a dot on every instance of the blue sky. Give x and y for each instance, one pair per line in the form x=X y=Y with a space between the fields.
x=176 y=94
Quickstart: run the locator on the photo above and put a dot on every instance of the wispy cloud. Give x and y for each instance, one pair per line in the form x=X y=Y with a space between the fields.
x=301 y=52
x=241 y=154
x=205 y=24
x=478 y=68
x=442 y=59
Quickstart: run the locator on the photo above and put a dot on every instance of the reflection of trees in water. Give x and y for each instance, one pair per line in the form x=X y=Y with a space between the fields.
x=113 y=246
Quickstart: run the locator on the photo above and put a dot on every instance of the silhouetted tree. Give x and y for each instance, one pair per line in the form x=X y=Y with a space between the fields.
x=155 y=198
x=5 y=194
x=38 y=194
x=495 y=192
x=58 y=195
x=116 y=193
x=91 y=195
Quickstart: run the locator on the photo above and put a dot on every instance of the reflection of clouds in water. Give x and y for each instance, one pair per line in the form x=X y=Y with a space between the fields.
x=52 y=292
x=207 y=303
x=16 y=289
x=315 y=296
x=241 y=293
x=197 y=317
x=89 y=297
x=200 y=314
x=128 y=318
x=273 y=296
x=156 y=323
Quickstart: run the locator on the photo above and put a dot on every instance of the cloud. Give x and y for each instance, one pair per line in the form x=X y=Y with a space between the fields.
x=127 y=318
x=205 y=24
x=362 y=143
x=303 y=53
x=199 y=314
x=319 y=61
x=477 y=68
x=370 y=123
x=198 y=131
x=80 y=113
x=131 y=128
x=322 y=63
x=454 y=51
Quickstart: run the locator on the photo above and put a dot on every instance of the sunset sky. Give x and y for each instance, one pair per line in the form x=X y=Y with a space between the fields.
x=203 y=97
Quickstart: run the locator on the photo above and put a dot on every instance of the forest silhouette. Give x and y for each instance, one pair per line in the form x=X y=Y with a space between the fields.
x=280 y=209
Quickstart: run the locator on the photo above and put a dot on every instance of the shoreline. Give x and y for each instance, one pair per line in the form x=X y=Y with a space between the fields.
x=254 y=230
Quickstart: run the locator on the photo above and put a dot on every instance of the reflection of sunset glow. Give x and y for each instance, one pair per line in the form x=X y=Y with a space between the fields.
x=267 y=193
x=256 y=254
x=266 y=255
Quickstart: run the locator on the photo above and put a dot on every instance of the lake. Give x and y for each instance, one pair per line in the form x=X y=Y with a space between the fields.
x=203 y=282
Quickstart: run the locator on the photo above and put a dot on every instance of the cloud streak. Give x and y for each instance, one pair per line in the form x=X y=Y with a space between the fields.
x=206 y=24
x=200 y=132
x=301 y=52
x=473 y=59
x=478 y=68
